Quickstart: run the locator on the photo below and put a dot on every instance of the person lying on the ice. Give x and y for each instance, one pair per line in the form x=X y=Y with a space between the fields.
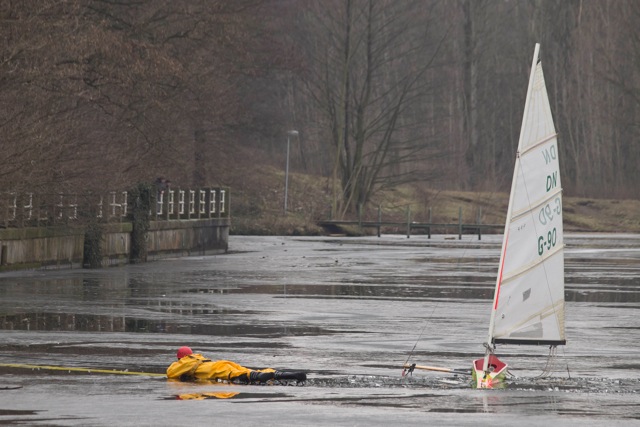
x=192 y=366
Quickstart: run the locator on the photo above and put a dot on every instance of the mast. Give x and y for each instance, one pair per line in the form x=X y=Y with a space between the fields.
x=505 y=237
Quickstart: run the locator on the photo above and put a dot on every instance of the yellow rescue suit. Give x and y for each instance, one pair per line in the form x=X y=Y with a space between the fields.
x=196 y=366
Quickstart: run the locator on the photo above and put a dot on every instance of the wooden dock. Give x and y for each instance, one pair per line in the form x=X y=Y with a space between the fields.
x=459 y=227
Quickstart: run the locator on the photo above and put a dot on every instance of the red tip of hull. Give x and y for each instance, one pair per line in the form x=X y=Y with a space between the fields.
x=495 y=363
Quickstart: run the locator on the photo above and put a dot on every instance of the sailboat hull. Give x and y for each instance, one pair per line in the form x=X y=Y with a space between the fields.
x=494 y=377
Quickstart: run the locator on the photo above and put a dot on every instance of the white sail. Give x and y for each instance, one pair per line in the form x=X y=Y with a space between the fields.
x=528 y=305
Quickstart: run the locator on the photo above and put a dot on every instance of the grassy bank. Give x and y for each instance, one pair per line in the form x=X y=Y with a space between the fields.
x=258 y=207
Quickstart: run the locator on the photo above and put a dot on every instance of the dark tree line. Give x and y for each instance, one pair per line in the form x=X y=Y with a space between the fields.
x=473 y=94
x=97 y=94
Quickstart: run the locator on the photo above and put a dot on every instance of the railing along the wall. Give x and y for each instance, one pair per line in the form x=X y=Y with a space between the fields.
x=28 y=209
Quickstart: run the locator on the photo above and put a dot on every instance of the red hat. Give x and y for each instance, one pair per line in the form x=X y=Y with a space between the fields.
x=184 y=351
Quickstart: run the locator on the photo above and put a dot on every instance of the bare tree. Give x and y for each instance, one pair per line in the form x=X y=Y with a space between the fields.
x=615 y=110
x=368 y=70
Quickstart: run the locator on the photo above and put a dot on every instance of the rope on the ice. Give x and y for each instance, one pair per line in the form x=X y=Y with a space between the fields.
x=78 y=369
x=551 y=362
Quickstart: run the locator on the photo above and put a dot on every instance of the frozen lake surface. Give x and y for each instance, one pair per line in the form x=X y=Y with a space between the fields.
x=349 y=311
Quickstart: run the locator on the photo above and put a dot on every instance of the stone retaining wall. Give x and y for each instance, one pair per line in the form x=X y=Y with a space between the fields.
x=63 y=247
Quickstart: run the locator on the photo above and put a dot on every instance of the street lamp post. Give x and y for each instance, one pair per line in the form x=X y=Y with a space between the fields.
x=286 y=173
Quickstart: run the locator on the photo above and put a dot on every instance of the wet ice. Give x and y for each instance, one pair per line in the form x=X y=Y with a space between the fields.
x=348 y=310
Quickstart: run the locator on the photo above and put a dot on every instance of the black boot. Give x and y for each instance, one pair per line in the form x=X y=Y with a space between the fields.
x=297 y=376
x=260 y=377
